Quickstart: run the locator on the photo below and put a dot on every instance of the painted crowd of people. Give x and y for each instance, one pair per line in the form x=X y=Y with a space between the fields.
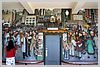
x=13 y=40
x=78 y=42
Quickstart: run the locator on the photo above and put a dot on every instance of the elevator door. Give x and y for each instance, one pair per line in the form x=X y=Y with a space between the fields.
x=52 y=49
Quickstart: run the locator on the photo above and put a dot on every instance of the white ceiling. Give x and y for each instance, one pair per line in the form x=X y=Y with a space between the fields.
x=12 y=5
x=30 y=6
x=51 y=5
x=50 y=0
x=91 y=5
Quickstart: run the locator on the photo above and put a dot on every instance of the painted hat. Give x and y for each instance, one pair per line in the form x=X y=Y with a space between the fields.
x=91 y=32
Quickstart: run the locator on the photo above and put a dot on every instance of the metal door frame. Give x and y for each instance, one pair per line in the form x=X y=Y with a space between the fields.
x=60 y=44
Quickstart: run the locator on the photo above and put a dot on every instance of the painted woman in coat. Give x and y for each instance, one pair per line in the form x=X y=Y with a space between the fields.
x=90 y=46
x=23 y=43
x=72 y=46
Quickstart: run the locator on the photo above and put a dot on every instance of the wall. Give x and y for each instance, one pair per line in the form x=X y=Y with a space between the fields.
x=7 y=17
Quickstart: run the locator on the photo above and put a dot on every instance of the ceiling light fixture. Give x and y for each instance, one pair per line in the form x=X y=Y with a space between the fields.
x=67 y=12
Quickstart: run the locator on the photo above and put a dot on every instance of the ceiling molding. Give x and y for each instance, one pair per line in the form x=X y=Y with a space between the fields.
x=77 y=7
x=31 y=5
x=26 y=6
